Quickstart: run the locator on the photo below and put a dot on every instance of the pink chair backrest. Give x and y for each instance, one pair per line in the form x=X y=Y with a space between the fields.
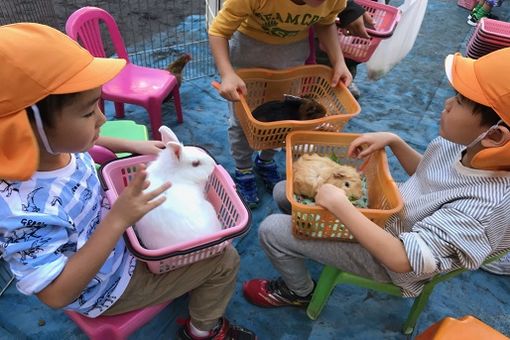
x=84 y=26
x=101 y=155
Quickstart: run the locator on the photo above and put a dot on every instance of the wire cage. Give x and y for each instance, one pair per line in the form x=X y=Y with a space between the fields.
x=155 y=32
x=41 y=11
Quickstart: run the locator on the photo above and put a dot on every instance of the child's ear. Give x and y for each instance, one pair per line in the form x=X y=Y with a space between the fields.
x=496 y=138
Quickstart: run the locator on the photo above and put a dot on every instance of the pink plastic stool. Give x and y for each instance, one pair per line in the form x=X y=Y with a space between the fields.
x=116 y=327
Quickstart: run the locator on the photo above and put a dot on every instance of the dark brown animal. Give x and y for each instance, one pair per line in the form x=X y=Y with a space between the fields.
x=291 y=108
x=176 y=68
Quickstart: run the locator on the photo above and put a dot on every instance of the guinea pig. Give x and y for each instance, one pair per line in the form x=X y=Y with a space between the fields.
x=310 y=171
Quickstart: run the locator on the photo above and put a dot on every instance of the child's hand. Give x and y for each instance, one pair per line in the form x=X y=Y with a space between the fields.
x=231 y=86
x=328 y=196
x=341 y=74
x=133 y=202
x=146 y=147
x=374 y=141
x=358 y=27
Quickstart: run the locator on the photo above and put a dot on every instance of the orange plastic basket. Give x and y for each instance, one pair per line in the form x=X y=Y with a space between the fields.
x=314 y=80
x=315 y=222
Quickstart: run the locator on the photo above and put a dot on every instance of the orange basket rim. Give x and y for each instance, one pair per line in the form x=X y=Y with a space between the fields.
x=269 y=75
x=330 y=135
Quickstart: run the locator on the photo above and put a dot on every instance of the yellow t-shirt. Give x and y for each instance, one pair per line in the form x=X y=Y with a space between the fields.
x=273 y=21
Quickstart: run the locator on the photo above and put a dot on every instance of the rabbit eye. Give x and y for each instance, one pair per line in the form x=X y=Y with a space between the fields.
x=347 y=184
x=195 y=163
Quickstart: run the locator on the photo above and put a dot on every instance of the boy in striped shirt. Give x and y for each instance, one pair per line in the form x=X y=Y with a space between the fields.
x=455 y=202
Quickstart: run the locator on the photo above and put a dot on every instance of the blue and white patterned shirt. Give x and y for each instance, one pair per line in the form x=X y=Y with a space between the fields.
x=453 y=216
x=44 y=221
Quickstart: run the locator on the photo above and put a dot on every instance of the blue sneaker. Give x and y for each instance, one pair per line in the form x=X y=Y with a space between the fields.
x=247 y=186
x=268 y=171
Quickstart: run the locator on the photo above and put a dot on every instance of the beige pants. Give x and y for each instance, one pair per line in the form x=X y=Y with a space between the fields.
x=210 y=284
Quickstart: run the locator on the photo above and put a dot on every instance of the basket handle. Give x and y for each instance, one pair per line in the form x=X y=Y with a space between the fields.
x=226 y=175
x=217 y=86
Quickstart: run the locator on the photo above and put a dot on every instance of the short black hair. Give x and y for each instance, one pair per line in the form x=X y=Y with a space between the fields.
x=50 y=106
x=488 y=117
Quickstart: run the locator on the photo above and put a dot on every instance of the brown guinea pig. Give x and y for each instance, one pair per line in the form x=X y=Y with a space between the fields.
x=310 y=171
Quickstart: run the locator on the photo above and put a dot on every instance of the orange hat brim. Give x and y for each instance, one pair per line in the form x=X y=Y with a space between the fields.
x=461 y=74
x=98 y=72
x=19 y=151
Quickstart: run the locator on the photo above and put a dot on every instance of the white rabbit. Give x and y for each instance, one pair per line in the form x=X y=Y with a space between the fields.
x=186 y=214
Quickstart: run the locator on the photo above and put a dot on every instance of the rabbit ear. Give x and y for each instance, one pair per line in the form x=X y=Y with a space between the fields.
x=175 y=149
x=167 y=135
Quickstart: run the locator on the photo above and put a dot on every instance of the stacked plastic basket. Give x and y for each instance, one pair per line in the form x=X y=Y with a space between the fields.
x=220 y=190
x=467 y=4
x=488 y=36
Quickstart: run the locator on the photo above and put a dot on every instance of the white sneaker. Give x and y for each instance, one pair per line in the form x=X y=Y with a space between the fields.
x=499 y=267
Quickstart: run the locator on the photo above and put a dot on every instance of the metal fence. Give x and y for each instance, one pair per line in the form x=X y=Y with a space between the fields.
x=155 y=32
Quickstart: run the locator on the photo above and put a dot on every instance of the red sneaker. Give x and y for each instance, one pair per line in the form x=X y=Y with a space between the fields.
x=274 y=293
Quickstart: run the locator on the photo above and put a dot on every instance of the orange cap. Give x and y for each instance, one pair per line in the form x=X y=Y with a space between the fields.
x=36 y=61
x=485 y=81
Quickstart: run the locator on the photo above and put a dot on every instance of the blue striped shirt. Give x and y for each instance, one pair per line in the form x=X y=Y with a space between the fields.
x=44 y=221
x=453 y=216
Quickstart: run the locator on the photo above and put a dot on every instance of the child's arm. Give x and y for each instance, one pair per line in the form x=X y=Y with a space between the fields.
x=151 y=147
x=131 y=205
x=388 y=249
x=328 y=36
x=231 y=83
x=406 y=155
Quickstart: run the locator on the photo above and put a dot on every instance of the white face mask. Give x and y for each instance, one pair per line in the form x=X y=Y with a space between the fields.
x=484 y=134
x=40 y=130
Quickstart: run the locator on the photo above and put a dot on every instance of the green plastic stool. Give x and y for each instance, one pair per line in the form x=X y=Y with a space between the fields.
x=331 y=276
x=126 y=129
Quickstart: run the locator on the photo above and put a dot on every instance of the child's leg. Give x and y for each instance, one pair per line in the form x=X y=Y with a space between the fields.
x=288 y=254
x=210 y=283
x=475 y=8
x=246 y=52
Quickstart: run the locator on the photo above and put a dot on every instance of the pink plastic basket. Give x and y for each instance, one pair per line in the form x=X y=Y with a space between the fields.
x=468 y=4
x=235 y=218
x=496 y=28
x=360 y=49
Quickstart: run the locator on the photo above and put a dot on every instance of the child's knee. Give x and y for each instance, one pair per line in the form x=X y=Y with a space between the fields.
x=230 y=260
x=272 y=229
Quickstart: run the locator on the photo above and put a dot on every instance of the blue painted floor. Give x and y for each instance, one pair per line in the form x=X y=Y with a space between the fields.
x=407 y=101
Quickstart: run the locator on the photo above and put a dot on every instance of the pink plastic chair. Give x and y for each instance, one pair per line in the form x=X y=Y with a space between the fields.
x=101 y=155
x=116 y=327
x=138 y=85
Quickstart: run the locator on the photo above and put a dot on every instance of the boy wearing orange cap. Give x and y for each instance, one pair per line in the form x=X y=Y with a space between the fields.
x=57 y=232
x=455 y=203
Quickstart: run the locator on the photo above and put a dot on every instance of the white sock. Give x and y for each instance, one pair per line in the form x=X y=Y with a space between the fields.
x=197 y=332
